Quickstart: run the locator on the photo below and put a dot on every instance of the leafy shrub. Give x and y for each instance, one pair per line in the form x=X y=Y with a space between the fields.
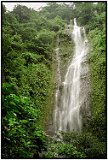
x=22 y=136
x=62 y=150
x=97 y=58
x=87 y=143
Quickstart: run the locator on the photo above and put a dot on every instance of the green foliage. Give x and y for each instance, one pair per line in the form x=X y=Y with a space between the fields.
x=66 y=50
x=6 y=43
x=19 y=126
x=62 y=150
x=56 y=24
x=28 y=33
x=22 y=13
x=31 y=58
x=87 y=143
x=62 y=10
x=97 y=59
x=46 y=36
x=90 y=15
x=27 y=72
x=37 y=79
x=10 y=19
x=84 y=12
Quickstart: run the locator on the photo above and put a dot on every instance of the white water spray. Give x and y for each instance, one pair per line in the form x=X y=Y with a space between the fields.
x=75 y=86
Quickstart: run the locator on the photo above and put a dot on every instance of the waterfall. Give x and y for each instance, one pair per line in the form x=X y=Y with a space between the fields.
x=58 y=83
x=74 y=98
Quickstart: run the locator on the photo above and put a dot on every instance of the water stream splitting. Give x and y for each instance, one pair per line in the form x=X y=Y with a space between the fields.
x=67 y=114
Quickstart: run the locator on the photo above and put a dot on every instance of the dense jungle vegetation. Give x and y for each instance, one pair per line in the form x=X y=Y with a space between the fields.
x=28 y=73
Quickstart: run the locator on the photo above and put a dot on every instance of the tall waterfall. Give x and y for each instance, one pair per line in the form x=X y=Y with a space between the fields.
x=74 y=96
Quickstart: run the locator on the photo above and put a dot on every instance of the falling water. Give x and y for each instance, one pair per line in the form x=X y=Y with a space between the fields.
x=58 y=83
x=75 y=86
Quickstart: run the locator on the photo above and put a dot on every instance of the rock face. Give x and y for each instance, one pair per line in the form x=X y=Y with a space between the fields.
x=72 y=93
x=74 y=97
